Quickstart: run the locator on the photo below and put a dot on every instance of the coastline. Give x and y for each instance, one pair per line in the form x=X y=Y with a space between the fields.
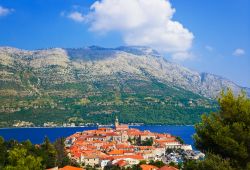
x=42 y=127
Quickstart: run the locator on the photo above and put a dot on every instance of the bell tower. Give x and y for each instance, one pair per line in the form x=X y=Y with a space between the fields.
x=116 y=122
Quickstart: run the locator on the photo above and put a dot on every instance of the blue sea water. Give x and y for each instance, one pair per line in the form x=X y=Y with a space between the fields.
x=36 y=135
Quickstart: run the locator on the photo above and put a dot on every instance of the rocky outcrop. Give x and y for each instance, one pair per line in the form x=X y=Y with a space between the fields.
x=55 y=66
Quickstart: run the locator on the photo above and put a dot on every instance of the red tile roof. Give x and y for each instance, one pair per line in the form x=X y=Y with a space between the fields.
x=70 y=168
x=148 y=167
x=121 y=163
x=116 y=152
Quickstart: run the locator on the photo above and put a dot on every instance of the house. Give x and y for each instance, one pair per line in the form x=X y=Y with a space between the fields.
x=168 y=143
x=91 y=159
x=124 y=136
x=148 y=167
x=186 y=147
x=159 y=151
x=147 y=135
x=70 y=168
x=149 y=155
x=121 y=163
x=116 y=153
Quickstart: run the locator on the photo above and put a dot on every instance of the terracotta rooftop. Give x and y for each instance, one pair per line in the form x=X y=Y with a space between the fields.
x=116 y=152
x=70 y=168
x=121 y=163
x=148 y=167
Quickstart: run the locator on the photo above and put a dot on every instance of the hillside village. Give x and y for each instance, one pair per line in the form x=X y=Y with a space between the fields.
x=124 y=147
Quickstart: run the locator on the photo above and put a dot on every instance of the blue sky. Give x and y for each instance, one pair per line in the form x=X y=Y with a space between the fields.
x=209 y=35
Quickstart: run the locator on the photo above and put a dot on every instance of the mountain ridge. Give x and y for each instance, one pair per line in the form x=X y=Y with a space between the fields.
x=93 y=53
x=92 y=83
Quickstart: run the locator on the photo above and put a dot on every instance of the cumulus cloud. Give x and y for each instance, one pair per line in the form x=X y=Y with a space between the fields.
x=76 y=16
x=239 y=52
x=5 y=11
x=141 y=22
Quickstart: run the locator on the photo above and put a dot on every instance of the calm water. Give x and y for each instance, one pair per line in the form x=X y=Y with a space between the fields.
x=36 y=135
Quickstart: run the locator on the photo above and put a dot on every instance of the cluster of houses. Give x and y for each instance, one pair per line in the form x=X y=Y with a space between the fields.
x=120 y=146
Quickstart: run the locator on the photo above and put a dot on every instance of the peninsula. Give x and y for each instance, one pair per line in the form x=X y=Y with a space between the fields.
x=124 y=147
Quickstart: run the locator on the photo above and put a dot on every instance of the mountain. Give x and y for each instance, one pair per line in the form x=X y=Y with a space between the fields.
x=92 y=84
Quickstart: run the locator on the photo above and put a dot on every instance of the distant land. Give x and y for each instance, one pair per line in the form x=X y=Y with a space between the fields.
x=78 y=86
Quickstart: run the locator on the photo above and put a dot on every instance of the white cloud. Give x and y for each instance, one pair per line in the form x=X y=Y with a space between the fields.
x=239 y=52
x=5 y=11
x=76 y=16
x=209 y=48
x=141 y=22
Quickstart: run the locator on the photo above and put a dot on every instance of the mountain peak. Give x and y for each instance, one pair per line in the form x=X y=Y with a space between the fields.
x=139 y=62
x=139 y=50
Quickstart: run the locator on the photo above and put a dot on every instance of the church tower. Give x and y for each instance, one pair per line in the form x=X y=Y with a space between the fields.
x=116 y=122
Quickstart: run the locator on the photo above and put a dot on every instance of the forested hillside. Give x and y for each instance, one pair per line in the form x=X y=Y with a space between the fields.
x=94 y=84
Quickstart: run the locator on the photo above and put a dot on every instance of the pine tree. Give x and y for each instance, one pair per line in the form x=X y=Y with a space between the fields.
x=225 y=135
x=49 y=153
x=19 y=159
x=61 y=155
x=3 y=153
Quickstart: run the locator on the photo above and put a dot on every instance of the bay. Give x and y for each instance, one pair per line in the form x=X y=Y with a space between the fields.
x=36 y=135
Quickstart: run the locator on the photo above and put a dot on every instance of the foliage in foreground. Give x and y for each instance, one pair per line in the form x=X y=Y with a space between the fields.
x=25 y=156
x=225 y=136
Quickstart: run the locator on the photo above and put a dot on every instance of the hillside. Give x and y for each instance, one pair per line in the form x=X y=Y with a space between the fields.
x=93 y=84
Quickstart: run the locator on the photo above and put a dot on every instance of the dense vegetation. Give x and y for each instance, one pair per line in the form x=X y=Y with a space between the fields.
x=25 y=156
x=225 y=136
x=133 y=101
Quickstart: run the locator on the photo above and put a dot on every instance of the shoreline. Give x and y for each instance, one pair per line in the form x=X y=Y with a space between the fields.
x=41 y=127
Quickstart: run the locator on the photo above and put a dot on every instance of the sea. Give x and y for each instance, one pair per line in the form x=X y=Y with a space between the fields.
x=37 y=135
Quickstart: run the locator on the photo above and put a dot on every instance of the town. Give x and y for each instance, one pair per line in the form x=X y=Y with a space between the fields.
x=125 y=147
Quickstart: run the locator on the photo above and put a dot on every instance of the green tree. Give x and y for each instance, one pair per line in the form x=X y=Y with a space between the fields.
x=61 y=155
x=48 y=153
x=180 y=139
x=19 y=159
x=212 y=162
x=3 y=153
x=147 y=142
x=135 y=167
x=159 y=164
x=130 y=140
x=225 y=135
x=27 y=144
x=112 y=167
x=143 y=162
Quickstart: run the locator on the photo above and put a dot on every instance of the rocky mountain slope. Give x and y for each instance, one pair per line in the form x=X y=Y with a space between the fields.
x=87 y=84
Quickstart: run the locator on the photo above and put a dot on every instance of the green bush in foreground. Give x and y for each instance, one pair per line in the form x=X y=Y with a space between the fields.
x=25 y=156
x=225 y=135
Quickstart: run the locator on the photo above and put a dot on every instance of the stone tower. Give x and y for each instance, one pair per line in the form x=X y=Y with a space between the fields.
x=116 y=122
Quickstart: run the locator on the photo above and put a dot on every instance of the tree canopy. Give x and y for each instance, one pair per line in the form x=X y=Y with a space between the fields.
x=225 y=135
x=26 y=156
x=20 y=159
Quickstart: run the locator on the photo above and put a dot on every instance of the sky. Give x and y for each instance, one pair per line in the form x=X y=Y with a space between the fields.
x=207 y=36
